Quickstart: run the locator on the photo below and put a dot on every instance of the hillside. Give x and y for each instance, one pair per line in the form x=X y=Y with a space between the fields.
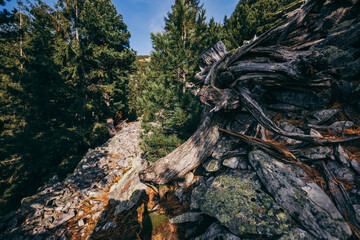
x=276 y=154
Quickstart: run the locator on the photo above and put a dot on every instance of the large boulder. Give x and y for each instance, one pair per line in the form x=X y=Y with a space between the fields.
x=237 y=201
x=304 y=201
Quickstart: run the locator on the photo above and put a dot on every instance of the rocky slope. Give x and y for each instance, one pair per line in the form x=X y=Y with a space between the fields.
x=72 y=208
x=277 y=157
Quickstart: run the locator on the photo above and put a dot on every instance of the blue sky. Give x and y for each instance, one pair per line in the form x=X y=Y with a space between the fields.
x=145 y=16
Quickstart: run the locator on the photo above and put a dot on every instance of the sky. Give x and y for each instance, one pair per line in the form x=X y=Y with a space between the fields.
x=145 y=16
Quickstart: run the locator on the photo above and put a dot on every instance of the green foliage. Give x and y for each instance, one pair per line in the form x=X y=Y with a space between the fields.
x=158 y=90
x=252 y=17
x=55 y=99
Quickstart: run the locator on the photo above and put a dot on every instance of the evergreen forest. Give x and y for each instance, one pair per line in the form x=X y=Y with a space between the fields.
x=68 y=75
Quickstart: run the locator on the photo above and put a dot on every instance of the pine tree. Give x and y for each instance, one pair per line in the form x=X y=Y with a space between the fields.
x=55 y=99
x=174 y=61
x=252 y=17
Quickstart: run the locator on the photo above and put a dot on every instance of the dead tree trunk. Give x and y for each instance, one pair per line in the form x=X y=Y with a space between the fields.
x=289 y=56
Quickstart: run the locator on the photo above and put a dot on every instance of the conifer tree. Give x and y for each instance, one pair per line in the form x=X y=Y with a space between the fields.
x=252 y=17
x=74 y=76
x=173 y=63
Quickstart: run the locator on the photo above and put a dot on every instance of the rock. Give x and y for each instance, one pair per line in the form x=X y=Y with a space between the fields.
x=128 y=190
x=96 y=215
x=316 y=153
x=212 y=165
x=186 y=217
x=301 y=99
x=297 y=233
x=222 y=147
x=109 y=225
x=356 y=165
x=304 y=201
x=189 y=177
x=243 y=165
x=341 y=125
x=322 y=116
x=197 y=194
x=357 y=210
x=341 y=172
x=81 y=222
x=179 y=193
x=341 y=156
x=216 y=231
x=231 y=162
x=289 y=128
x=238 y=202
x=62 y=219
x=315 y=133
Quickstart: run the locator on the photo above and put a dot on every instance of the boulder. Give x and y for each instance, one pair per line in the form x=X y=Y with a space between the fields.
x=237 y=202
x=304 y=201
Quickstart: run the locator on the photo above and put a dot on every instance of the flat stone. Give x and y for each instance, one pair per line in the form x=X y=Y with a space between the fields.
x=341 y=155
x=231 y=162
x=64 y=218
x=322 y=116
x=304 y=201
x=288 y=127
x=315 y=133
x=186 y=217
x=341 y=125
x=341 y=172
x=316 y=153
x=356 y=166
x=109 y=225
x=212 y=165
x=238 y=202
x=222 y=147
x=215 y=232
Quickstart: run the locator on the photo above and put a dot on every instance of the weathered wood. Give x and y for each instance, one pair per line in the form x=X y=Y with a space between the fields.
x=209 y=58
x=341 y=199
x=186 y=157
x=256 y=111
x=268 y=147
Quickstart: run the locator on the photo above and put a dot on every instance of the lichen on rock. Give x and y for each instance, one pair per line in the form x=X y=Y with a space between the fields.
x=237 y=201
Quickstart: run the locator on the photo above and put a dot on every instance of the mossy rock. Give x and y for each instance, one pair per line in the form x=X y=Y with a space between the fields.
x=238 y=202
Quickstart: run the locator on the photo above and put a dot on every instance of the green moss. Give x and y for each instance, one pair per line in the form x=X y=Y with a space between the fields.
x=239 y=204
x=157 y=220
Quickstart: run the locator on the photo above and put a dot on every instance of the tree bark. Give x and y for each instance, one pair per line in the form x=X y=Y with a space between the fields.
x=188 y=156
